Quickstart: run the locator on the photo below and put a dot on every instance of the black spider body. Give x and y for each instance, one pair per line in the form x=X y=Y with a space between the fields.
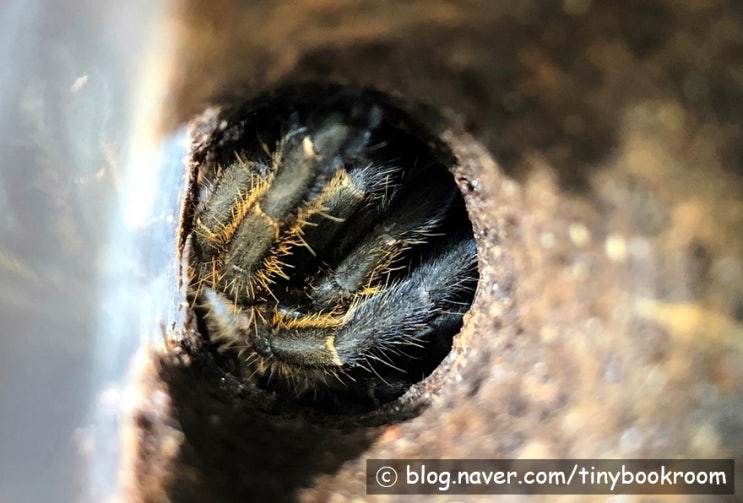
x=328 y=244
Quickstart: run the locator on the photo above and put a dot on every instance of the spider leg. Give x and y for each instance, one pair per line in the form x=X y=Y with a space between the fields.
x=409 y=222
x=300 y=163
x=347 y=192
x=234 y=194
x=426 y=303
x=423 y=305
x=277 y=222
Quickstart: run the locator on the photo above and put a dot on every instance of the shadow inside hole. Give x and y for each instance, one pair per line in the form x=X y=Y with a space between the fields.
x=241 y=451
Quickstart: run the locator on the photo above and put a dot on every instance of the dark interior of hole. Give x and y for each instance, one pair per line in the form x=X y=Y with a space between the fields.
x=398 y=141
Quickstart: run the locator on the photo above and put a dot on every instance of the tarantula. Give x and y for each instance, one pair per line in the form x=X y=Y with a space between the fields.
x=328 y=248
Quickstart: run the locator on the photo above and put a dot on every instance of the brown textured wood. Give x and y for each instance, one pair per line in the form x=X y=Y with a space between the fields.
x=609 y=318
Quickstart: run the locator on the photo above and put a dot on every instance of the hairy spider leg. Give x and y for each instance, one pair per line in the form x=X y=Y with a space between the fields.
x=409 y=222
x=423 y=300
x=276 y=223
x=312 y=239
x=234 y=195
x=346 y=193
x=261 y=226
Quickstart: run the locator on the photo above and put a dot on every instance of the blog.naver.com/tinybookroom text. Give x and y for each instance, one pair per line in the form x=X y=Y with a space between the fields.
x=550 y=476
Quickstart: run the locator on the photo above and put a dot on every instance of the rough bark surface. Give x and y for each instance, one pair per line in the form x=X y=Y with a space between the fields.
x=609 y=317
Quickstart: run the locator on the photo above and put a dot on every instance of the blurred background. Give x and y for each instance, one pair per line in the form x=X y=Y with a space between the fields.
x=616 y=124
x=82 y=241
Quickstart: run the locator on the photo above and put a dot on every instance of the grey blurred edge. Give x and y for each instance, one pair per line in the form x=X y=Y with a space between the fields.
x=80 y=289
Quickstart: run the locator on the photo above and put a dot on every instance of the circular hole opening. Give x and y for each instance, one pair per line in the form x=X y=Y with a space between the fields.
x=330 y=257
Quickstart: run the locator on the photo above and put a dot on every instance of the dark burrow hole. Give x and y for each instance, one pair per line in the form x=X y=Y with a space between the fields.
x=330 y=257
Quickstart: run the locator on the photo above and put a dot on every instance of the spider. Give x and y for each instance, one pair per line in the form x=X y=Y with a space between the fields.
x=329 y=251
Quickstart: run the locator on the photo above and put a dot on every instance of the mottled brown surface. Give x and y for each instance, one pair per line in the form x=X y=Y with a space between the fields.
x=609 y=318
